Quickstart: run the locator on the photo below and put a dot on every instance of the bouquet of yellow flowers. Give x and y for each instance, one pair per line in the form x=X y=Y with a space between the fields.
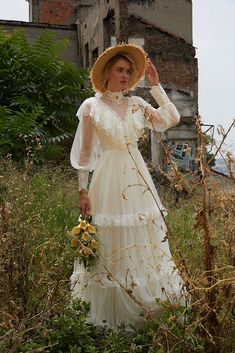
x=85 y=241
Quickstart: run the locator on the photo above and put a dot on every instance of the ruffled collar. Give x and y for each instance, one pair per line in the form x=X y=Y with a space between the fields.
x=114 y=97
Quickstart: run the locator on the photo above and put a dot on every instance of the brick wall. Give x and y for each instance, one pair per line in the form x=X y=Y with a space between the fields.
x=60 y=12
x=173 y=57
x=177 y=67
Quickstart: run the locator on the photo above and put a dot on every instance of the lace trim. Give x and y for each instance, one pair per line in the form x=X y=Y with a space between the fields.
x=140 y=219
x=109 y=121
x=83 y=176
x=168 y=279
x=114 y=97
x=85 y=107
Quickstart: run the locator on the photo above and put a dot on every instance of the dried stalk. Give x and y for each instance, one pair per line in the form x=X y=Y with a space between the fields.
x=211 y=322
x=222 y=141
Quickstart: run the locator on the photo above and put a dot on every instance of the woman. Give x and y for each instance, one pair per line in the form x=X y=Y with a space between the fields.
x=136 y=265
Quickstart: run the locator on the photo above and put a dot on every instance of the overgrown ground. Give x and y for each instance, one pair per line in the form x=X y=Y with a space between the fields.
x=36 y=261
x=39 y=206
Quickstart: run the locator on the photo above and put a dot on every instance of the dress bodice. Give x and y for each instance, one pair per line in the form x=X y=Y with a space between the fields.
x=115 y=121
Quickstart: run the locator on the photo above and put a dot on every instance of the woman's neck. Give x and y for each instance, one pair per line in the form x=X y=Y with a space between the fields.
x=115 y=97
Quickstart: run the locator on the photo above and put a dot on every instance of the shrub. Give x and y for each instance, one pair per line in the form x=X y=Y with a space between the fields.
x=39 y=95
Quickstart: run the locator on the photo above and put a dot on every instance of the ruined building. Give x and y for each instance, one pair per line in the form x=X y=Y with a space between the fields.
x=162 y=27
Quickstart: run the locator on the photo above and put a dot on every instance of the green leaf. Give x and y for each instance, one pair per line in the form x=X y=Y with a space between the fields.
x=40 y=93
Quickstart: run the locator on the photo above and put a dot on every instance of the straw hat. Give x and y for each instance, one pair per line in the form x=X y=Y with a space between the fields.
x=137 y=55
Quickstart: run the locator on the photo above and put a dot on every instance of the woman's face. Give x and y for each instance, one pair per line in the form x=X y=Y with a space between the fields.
x=119 y=76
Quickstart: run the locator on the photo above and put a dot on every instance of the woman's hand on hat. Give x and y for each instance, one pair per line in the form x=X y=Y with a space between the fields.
x=151 y=74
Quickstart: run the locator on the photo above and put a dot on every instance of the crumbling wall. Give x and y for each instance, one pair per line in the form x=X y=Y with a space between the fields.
x=33 y=30
x=94 y=26
x=162 y=27
x=60 y=12
x=174 y=16
x=173 y=57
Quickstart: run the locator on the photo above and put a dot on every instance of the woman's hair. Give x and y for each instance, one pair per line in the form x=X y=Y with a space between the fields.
x=112 y=62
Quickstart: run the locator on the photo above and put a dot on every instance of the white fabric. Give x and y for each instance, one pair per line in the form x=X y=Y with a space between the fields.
x=159 y=94
x=83 y=176
x=136 y=259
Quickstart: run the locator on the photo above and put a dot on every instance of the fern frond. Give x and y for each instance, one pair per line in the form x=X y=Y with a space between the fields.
x=40 y=92
x=59 y=138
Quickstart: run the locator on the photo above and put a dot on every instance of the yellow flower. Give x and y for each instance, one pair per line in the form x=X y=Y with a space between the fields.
x=83 y=224
x=74 y=242
x=91 y=229
x=76 y=230
x=86 y=236
x=94 y=244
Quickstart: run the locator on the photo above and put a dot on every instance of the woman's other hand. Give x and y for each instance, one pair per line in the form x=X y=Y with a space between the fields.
x=151 y=74
x=84 y=203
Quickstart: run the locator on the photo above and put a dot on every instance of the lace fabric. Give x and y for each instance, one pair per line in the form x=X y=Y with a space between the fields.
x=114 y=97
x=83 y=176
x=135 y=254
x=103 y=113
x=126 y=220
x=159 y=95
x=136 y=260
x=117 y=105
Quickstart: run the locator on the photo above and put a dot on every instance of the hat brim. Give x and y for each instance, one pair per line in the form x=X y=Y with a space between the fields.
x=136 y=53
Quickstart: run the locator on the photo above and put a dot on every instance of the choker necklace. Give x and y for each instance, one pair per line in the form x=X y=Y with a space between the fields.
x=114 y=97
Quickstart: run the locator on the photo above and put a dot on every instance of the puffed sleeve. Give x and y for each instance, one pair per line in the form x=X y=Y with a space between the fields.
x=163 y=117
x=85 y=148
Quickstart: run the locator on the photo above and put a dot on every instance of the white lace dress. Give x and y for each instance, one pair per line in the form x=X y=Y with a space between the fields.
x=136 y=266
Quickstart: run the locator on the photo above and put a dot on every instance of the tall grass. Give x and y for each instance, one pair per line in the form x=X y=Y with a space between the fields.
x=35 y=256
x=39 y=207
